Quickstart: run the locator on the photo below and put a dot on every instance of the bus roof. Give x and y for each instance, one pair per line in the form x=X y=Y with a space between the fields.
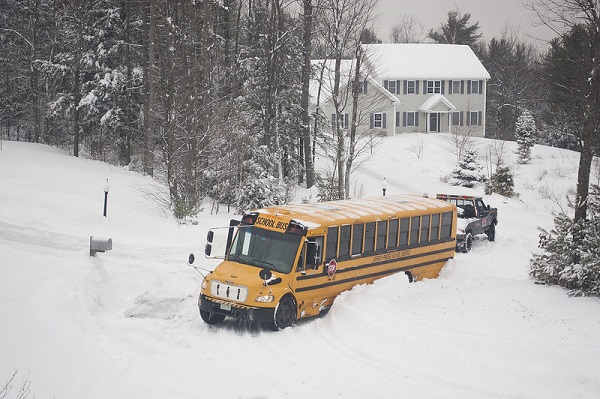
x=314 y=215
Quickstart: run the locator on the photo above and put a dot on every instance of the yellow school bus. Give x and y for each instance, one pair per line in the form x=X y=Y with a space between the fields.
x=289 y=262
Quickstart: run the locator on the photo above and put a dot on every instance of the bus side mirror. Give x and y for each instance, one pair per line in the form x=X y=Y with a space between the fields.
x=209 y=239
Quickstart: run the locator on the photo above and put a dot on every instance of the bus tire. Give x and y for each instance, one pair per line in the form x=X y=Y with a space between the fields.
x=468 y=243
x=211 y=318
x=410 y=277
x=285 y=313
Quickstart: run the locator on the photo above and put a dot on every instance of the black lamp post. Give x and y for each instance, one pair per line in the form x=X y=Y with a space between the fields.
x=106 y=188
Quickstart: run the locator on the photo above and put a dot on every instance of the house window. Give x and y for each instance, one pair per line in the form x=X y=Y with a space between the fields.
x=434 y=86
x=411 y=87
x=343 y=121
x=393 y=86
x=410 y=119
x=455 y=87
x=474 y=118
x=475 y=87
x=362 y=87
x=378 y=120
x=456 y=118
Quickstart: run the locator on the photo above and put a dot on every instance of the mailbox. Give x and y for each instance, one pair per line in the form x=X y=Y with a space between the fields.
x=98 y=244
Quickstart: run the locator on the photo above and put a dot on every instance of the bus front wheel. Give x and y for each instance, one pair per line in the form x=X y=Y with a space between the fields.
x=285 y=313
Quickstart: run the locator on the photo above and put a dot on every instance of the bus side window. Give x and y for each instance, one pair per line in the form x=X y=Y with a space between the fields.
x=357 y=238
x=369 y=237
x=435 y=227
x=393 y=234
x=424 y=229
x=332 y=244
x=446 y=229
x=381 y=234
x=415 y=226
x=345 y=240
x=404 y=224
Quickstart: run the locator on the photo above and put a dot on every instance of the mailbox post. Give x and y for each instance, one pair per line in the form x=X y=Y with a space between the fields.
x=106 y=188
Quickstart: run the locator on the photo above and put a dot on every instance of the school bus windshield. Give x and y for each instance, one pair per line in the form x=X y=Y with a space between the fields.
x=264 y=248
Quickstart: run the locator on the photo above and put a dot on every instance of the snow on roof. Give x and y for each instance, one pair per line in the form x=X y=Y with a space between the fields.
x=324 y=71
x=425 y=61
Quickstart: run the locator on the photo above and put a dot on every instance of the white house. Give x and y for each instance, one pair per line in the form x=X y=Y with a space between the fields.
x=405 y=88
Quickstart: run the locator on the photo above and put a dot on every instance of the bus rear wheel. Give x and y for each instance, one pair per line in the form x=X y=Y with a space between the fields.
x=285 y=313
x=211 y=318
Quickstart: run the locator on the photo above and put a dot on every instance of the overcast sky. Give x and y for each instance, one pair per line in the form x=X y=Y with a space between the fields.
x=493 y=17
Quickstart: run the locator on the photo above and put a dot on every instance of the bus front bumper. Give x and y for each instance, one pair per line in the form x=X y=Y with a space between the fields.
x=243 y=312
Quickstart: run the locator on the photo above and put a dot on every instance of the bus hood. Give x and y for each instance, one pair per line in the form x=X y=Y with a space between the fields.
x=237 y=273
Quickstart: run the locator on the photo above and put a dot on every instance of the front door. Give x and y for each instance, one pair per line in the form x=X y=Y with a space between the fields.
x=434 y=122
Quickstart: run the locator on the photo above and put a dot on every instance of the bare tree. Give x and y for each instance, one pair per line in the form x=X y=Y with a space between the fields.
x=408 y=30
x=343 y=23
x=563 y=15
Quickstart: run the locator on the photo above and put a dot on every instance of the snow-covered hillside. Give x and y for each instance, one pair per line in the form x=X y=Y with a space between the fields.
x=125 y=324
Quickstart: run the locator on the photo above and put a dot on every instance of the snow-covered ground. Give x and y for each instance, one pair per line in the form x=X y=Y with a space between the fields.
x=125 y=323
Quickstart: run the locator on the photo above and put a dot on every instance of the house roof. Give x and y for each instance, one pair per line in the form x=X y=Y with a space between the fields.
x=434 y=100
x=424 y=61
x=324 y=71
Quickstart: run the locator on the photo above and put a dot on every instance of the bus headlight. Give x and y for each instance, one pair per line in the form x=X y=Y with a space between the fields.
x=265 y=298
x=204 y=284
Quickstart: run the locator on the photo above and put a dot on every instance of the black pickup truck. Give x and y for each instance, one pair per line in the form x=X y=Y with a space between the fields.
x=474 y=217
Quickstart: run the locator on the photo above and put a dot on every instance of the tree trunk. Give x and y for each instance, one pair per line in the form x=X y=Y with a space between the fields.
x=353 y=124
x=591 y=126
x=77 y=78
x=304 y=102
x=149 y=78
x=339 y=132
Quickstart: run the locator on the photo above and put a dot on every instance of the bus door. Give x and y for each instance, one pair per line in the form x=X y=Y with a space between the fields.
x=309 y=277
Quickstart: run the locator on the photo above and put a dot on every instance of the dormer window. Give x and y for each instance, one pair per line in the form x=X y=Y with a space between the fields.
x=434 y=86
x=456 y=87
x=393 y=86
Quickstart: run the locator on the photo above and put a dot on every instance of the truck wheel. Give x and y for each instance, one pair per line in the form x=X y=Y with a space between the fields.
x=285 y=313
x=468 y=243
x=491 y=232
x=211 y=318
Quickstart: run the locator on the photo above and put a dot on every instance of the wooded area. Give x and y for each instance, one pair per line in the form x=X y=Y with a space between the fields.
x=212 y=96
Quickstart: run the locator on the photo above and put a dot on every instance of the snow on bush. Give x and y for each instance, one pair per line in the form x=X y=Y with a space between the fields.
x=501 y=182
x=468 y=172
x=571 y=252
x=525 y=132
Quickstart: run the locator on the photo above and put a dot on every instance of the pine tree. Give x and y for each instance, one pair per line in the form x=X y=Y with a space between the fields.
x=571 y=252
x=468 y=172
x=456 y=30
x=501 y=182
x=260 y=188
x=525 y=132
